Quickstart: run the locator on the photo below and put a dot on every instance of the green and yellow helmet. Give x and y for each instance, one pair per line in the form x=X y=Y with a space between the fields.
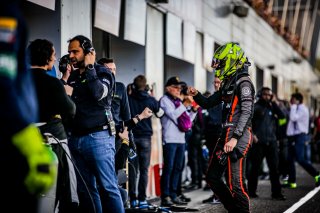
x=227 y=59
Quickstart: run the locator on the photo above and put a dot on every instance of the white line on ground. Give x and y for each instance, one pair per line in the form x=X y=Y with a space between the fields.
x=303 y=200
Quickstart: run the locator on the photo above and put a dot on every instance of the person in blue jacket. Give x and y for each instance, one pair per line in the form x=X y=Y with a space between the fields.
x=92 y=141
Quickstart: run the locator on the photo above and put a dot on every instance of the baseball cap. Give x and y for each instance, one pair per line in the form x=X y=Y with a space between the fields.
x=174 y=81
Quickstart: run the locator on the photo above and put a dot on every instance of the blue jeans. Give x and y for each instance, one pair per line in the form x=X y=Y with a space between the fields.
x=173 y=162
x=141 y=164
x=94 y=156
x=297 y=152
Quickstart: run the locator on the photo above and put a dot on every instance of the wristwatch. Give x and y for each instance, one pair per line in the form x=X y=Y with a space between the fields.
x=137 y=117
x=90 y=67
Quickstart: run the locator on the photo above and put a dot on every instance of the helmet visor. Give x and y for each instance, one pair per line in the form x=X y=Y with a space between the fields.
x=214 y=63
x=217 y=64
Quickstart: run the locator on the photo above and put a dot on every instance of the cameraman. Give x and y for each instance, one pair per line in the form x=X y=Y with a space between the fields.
x=92 y=141
x=138 y=100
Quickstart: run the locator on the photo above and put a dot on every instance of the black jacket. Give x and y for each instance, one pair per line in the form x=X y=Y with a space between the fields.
x=121 y=113
x=264 y=121
x=139 y=100
x=120 y=104
x=92 y=94
x=52 y=100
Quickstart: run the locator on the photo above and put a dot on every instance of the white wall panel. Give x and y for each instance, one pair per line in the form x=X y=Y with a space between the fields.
x=200 y=73
x=253 y=74
x=107 y=16
x=208 y=50
x=135 y=21
x=190 y=10
x=75 y=20
x=154 y=50
x=189 y=42
x=174 y=36
x=267 y=78
x=214 y=23
x=154 y=75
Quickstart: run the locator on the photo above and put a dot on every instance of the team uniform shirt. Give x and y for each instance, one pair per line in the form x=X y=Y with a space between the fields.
x=92 y=94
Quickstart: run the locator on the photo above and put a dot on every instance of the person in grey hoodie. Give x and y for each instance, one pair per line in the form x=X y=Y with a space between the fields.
x=173 y=140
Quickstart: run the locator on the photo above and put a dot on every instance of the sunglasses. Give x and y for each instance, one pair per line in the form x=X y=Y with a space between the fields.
x=176 y=87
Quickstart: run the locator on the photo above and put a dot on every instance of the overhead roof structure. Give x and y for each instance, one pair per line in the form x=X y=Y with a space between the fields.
x=298 y=21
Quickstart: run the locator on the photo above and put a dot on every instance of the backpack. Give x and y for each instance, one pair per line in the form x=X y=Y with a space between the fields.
x=184 y=122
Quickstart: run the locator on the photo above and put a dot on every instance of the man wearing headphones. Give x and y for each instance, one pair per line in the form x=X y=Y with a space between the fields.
x=264 y=125
x=92 y=141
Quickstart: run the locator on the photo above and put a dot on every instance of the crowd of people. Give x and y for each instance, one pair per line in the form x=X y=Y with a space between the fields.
x=73 y=136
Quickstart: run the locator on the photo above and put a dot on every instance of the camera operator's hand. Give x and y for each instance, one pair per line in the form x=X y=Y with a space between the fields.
x=146 y=113
x=124 y=135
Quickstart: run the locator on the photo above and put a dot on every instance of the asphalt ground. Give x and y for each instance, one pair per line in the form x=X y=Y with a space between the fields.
x=264 y=203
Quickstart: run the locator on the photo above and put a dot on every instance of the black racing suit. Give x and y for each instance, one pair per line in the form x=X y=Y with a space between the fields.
x=237 y=96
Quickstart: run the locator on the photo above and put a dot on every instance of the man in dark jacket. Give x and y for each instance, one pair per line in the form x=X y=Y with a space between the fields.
x=213 y=127
x=122 y=117
x=264 y=126
x=120 y=104
x=92 y=143
x=139 y=99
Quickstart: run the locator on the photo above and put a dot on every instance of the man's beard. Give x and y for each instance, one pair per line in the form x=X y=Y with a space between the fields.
x=78 y=64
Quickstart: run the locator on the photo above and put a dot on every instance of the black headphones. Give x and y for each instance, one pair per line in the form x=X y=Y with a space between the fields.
x=135 y=87
x=87 y=46
x=63 y=63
